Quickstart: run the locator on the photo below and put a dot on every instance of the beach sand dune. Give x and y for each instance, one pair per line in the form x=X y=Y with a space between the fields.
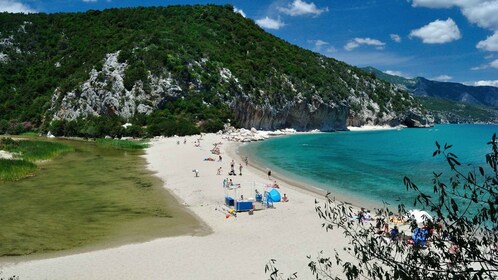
x=228 y=248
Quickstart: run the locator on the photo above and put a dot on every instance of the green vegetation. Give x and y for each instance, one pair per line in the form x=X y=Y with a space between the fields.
x=458 y=112
x=14 y=169
x=25 y=152
x=121 y=144
x=189 y=44
x=95 y=196
x=32 y=150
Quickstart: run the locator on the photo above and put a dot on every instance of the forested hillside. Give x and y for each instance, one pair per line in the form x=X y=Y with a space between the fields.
x=177 y=69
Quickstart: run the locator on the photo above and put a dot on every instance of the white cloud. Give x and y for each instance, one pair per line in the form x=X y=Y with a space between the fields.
x=318 y=44
x=322 y=46
x=494 y=64
x=438 y=32
x=483 y=13
x=486 y=83
x=12 y=6
x=396 y=73
x=356 y=42
x=480 y=67
x=395 y=38
x=490 y=44
x=443 y=78
x=433 y=3
x=330 y=50
x=270 y=23
x=239 y=11
x=298 y=8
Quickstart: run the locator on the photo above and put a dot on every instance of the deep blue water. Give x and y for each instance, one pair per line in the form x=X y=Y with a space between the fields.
x=371 y=165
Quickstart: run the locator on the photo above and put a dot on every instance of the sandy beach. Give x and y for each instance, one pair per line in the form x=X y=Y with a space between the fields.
x=228 y=247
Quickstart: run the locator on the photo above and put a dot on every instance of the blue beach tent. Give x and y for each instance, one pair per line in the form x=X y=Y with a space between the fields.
x=274 y=195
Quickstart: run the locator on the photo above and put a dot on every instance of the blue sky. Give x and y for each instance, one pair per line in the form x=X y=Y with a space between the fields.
x=445 y=40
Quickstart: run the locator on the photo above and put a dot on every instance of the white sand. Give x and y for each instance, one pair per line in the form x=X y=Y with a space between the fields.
x=374 y=127
x=237 y=247
x=5 y=155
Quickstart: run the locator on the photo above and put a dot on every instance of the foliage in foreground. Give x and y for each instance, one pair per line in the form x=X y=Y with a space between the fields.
x=32 y=150
x=13 y=169
x=121 y=144
x=25 y=152
x=466 y=207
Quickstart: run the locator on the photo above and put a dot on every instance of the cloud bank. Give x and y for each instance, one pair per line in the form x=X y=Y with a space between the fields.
x=442 y=78
x=298 y=8
x=12 y=6
x=270 y=23
x=487 y=83
x=438 y=32
x=356 y=42
x=395 y=37
x=239 y=11
x=483 y=13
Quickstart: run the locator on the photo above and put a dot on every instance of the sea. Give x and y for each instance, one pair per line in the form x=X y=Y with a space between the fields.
x=370 y=165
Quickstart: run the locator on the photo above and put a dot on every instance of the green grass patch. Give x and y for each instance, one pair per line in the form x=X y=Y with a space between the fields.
x=30 y=134
x=11 y=169
x=94 y=196
x=122 y=144
x=32 y=150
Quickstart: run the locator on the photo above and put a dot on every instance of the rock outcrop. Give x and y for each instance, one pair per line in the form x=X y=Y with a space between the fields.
x=104 y=94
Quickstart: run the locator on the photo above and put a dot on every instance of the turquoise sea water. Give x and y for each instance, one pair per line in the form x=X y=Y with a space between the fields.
x=370 y=165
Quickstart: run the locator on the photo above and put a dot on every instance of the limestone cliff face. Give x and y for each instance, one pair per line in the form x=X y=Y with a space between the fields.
x=104 y=94
x=301 y=115
x=301 y=106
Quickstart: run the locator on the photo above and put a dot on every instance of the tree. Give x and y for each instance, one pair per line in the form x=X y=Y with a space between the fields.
x=464 y=243
x=466 y=213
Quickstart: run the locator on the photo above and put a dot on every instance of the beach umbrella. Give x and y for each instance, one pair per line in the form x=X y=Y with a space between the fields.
x=419 y=215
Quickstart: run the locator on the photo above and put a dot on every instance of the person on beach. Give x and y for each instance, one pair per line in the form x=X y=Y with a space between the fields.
x=219 y=171
x=185 y=141
x=394 y=234
x=269 y=173
x=378 y=226
x=360 y=215
x=285 y=198
x=246 y=160
x=240 y=169
x=220 y=158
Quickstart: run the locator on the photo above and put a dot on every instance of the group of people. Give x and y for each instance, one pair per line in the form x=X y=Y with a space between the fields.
x=232 y=169
x=364 y=215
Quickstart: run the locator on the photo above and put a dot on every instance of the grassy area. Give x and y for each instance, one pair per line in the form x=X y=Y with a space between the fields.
x=11 y=169
x=25 y=152
x=122 y=144
x=91 y=197
x=32 y=150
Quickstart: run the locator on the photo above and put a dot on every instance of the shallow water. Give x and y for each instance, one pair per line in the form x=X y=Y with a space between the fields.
x=370 y=165
x=93 y=197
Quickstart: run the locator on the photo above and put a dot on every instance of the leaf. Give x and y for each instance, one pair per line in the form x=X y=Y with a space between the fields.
x=454 y=206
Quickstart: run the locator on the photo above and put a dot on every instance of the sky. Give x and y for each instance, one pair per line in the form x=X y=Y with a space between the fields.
x=443 y=40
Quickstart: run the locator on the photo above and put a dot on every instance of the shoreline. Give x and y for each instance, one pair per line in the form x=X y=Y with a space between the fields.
x=240 y=245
